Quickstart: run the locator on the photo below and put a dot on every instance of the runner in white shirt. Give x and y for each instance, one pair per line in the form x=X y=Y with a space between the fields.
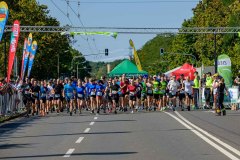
x=173 y=86
x=188 y=88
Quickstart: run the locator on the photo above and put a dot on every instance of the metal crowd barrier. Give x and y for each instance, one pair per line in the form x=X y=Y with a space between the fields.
x=11 y=103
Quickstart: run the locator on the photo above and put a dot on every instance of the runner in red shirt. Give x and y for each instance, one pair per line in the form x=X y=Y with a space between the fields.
x=123 y=96
x=132 y=94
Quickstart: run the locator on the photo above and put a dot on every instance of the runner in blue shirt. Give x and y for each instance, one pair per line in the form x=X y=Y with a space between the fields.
x=99 y=92
x=92 y=93
x=43 y=98
x=87 y=96
x=68 y=94
x=80 y=91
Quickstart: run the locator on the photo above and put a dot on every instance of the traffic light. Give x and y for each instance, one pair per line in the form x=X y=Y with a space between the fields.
x=161 y=51
x=106 y=52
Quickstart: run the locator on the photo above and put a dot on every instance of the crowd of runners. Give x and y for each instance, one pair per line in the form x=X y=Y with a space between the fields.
x=120 y=94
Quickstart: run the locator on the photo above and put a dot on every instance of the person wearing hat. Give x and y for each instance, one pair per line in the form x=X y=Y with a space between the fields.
x=207 y=91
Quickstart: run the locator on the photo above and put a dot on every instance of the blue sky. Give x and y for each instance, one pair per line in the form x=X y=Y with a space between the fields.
x=168 y=13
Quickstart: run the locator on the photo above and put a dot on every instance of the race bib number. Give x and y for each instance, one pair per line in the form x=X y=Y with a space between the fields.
x=149 y=91
x=57 y=95
x=69 y=94
x=93 y=93
x=99 y=93
x=155 y=90
x=114 y=92
x=80 y=95
x=182 y=91
x=26 y=92
x=35 y=94
x=163 y=91
x=43 y=95
x=132 y=93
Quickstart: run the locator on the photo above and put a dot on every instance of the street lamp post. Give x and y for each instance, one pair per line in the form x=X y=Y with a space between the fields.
x=58 y=65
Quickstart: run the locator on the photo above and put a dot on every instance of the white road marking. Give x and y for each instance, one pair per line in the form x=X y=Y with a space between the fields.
x=210 y=111
x=92 y=123
x=225 y=152
x=95 y=118
x=79 y=140
x=69 y=152
x=210 y=136
x=87 y=130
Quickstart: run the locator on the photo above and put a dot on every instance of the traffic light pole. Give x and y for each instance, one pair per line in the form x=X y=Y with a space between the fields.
x=215 y=52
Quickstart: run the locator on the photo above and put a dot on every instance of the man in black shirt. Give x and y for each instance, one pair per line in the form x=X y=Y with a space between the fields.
x=35 y=91
x=58 y=89
x=114 y=89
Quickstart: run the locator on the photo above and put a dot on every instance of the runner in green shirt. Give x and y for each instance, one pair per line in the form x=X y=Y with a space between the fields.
x=156 y=92
x=163 y=94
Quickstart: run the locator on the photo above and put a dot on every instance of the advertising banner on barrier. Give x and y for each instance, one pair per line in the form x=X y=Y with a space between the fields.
x=233 y=94
x=3 y=17
x=31 y=57
x=13 y=47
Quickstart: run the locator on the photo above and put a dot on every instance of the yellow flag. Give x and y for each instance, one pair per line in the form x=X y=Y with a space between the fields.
x=136 y=58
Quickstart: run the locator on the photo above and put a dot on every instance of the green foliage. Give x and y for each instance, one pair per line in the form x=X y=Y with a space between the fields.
x=149 y=54
x=50 y=45
x=207 y=13
x=100 y=68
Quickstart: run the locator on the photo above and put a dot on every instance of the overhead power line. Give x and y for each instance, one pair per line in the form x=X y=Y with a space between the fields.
x=67 y=15
x=136 y=2
x=79 y=18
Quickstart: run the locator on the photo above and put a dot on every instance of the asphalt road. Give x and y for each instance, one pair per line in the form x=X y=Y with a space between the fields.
x=195 y=135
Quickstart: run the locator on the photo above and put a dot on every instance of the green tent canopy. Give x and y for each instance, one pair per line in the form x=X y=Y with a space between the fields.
x=128 y=68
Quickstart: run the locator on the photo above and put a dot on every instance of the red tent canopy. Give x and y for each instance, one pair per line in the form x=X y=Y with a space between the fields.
x=186 y=70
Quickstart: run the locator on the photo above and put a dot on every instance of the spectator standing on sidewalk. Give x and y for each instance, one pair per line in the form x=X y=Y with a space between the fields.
x=196 y=86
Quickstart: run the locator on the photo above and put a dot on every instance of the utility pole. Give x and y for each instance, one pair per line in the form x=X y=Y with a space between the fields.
x=215 y=52
x=58 y=66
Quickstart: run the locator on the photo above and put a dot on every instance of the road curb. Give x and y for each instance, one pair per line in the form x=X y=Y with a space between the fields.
x=13 y=117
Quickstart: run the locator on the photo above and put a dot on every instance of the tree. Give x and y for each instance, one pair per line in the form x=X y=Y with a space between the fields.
x=50 y=45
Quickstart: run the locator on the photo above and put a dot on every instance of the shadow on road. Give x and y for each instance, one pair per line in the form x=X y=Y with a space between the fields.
x=9 y=146
x=67 y=134
x=75 y=154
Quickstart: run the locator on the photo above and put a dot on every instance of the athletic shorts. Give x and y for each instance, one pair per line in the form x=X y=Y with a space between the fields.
x=122 y=95
x=207 y=94
x=132 y=97
x=189 y=95
x=139 y=95
x=108 y=98
x=156 y=96
x=43 y=99
x=143 y=96
x=115 y=97
x=162 y=95
x=172 y=95
x=57 y=96
x=49 y=98
x=181 y=96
